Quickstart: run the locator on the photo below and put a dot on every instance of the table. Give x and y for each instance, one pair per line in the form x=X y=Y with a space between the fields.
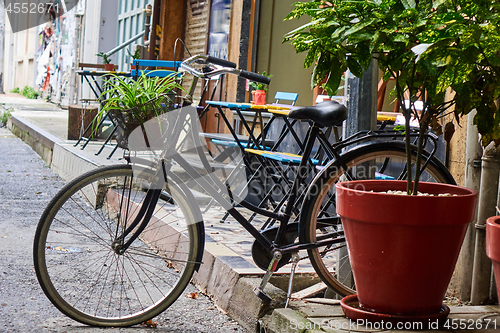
x=255 y=141
x=91 y=77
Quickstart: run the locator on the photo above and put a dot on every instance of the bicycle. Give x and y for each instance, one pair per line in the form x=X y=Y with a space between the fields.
x=119 y=244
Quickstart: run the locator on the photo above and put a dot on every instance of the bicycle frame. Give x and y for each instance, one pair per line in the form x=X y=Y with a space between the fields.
x=332 y=150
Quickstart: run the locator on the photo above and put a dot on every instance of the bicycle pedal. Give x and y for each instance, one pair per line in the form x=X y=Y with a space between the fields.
x=262 y=295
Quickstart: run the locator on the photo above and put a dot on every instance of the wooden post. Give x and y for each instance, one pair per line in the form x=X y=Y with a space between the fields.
x=173 y=25
x=251 y=37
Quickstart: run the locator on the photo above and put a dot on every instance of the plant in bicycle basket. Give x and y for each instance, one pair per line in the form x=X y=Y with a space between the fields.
x=133 y=102
x=427 y=46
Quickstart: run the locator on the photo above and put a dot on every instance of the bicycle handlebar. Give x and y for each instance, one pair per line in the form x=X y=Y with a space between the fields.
x=255 y=77
x=221 y=67
x=220 y=62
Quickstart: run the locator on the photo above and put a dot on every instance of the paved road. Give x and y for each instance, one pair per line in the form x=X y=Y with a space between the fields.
x=26 y=186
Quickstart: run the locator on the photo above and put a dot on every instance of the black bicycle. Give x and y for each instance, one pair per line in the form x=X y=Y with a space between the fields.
x=119 y=244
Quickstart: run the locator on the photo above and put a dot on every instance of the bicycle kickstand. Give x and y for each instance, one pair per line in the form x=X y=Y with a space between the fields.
x=295 y=261
x=259 y=291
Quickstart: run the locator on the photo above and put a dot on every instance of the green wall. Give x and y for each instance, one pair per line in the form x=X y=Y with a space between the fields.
x=278 y=59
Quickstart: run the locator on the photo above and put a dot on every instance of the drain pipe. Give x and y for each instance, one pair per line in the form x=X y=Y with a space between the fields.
x=473 y=154
x=488 y=196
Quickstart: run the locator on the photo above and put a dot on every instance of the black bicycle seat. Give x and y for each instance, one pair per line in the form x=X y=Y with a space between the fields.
x=325 y=114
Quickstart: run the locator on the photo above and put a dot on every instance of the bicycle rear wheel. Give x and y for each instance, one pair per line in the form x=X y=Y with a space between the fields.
x=384 y=160
x=79 y=265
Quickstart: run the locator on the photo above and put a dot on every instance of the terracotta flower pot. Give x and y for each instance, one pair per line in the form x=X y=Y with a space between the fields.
x=260 y=97
x=109 y=67
x=132 y=66
x=403 y=249
x=493 y=246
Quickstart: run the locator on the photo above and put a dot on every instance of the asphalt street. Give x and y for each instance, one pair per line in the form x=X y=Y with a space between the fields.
x=26 y=186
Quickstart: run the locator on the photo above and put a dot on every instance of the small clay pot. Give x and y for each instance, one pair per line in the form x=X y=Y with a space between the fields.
x=260 y=97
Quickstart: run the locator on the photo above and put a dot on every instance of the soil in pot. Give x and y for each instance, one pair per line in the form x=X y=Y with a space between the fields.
x=493 y=247
x=403 y=249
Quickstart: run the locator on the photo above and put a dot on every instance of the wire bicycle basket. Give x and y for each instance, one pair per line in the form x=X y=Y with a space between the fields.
x=127 y=120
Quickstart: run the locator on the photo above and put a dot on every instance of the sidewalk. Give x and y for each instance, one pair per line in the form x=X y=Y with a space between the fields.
x=228 y=274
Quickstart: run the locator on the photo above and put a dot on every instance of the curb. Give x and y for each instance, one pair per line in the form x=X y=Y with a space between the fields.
x=41 y=141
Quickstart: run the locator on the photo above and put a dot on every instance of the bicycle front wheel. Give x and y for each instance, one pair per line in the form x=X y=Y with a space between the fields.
x=383 y=160
x=77 y=255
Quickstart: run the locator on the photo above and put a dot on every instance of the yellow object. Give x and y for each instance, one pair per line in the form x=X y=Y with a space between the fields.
x=279 y=112
x=267 y=152
x=277 y=107
x=383 y=116
x=269 y=107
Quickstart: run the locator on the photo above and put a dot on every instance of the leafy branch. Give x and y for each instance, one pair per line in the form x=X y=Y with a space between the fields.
x=427 y=46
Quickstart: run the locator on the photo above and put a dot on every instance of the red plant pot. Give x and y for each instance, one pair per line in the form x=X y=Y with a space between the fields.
x=259 y=97
x=493 y=246
x=403 y=249
x=109 y=67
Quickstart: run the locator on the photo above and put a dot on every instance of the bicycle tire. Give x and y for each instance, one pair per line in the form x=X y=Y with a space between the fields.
x=90 y=282
x=332 y=263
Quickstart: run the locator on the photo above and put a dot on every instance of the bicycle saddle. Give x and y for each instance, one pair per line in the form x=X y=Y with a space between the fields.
x=325 y=114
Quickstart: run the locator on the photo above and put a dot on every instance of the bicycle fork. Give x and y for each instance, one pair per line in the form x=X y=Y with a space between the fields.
x=142 y=217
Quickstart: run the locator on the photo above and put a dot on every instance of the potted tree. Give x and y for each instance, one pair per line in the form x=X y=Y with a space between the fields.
x=131 y=103
x=106 y=60
x=403 y=248
x=260 y=91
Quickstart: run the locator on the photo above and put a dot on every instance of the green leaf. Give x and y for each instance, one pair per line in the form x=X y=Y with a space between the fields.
x=339 y=33
x=359 y=26
x=438 y=3
x=311 y=57
x=354 y=67
x=386 y=76
x=408 y=4
x=303 y=27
